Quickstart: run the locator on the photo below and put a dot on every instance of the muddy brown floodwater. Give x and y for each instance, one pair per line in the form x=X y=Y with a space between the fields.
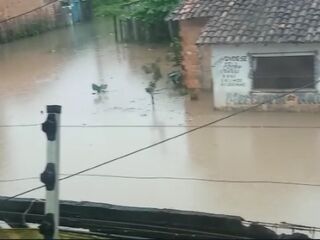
x=59 y=68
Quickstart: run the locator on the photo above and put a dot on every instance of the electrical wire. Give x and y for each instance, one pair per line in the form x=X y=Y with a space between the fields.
x=18 y=179
x=165 y=140
x=24 y=214
x=32 y=10
x=20 y=125
x=188 y=126
x=167 y=126
x=176 y=178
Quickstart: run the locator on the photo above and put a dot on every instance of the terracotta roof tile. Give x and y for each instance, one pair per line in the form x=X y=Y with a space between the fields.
x=265 y=21
x=188 y=9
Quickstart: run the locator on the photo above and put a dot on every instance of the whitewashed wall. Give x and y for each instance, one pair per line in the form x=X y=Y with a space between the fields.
x=232 y=81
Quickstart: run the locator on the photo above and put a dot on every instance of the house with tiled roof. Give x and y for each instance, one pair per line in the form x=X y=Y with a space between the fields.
x=259 y=50
x=193 y=15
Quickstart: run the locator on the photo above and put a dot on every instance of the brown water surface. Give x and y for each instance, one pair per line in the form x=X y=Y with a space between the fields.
x=59 y=68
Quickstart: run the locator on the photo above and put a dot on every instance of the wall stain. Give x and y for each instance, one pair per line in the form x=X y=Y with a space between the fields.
x=234 y=99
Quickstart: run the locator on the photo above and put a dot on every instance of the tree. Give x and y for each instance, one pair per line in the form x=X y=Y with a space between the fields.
x=103 y=8
x=152 y=11
x=147 y=11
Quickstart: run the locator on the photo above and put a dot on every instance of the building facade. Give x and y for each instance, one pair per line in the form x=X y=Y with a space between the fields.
x=196 y=60
x=263 y=52
x=192 y=16
x=251 y=74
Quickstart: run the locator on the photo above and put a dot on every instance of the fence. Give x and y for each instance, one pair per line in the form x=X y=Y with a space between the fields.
x=132 y=30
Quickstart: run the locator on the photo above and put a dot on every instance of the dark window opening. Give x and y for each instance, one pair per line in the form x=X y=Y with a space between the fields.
x=289 y=72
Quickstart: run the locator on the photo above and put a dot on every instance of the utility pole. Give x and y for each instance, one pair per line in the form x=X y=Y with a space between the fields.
x=50 y=177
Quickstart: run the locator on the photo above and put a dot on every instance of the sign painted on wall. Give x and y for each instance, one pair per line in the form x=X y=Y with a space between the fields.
x=230 y=71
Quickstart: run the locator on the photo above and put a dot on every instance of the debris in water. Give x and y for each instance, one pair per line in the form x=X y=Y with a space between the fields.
x=99 y=88
x=155 y=70
x=129 y=109
x=151 y=89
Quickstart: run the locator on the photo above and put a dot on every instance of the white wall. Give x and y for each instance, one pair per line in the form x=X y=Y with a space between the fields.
x=231 y=74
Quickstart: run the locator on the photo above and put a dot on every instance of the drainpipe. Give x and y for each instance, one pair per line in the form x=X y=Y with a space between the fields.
x=50 y=177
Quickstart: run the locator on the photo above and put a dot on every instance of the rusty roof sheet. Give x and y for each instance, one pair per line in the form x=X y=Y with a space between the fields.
x=264 y=21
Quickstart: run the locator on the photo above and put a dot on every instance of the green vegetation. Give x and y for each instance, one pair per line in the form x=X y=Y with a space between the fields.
x=176 y=75
x=104 y=8
x=147 y=11
x=155 y=71
x=152 y=11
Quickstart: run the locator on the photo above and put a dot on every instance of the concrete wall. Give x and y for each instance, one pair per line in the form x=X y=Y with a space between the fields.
x=11 y=8
x=31 y=23
x=231 y=71
x=196 y=62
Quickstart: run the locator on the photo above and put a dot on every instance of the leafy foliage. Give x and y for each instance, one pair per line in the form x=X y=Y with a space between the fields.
x=176 y=52
x=175 y=56
x=99 y=88
x=155 y=71
x=147 y=11
x=103 y=8
x=152 y=11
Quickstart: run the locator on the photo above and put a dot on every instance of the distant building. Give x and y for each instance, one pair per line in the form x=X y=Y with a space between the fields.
x=260 y=49
x=81 y=10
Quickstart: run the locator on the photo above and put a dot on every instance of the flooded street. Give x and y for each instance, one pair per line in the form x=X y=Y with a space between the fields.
x=59 y=68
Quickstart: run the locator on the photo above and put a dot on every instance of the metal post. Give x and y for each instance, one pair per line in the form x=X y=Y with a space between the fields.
x=115 y=26
x=50 y=177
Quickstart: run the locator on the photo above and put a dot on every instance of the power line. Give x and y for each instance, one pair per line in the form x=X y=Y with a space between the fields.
x=166 y=140
x=20 y=125
x=25 y=13
x=185 y=126
x=18 y=179
x=178 y=179
x=165 y=126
